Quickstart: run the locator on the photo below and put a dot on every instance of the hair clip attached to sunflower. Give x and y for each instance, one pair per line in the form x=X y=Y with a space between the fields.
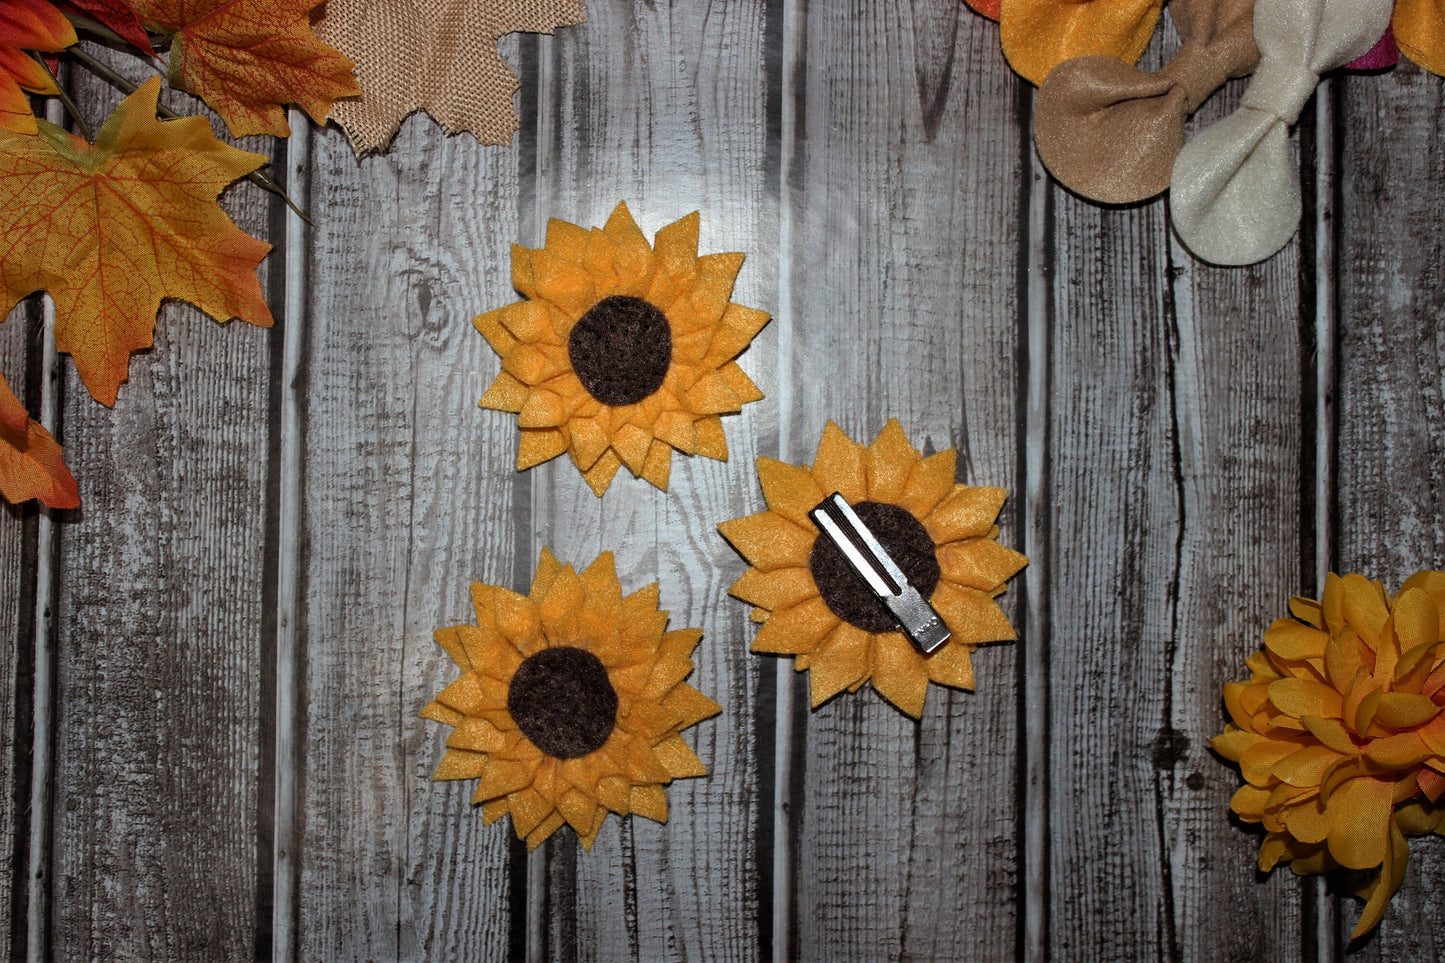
x=1340 y=735
x=814 y=607
x=570 y=703
x=621 y=351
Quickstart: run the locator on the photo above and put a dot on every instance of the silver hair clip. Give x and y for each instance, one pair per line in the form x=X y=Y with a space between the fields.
x=842 y=526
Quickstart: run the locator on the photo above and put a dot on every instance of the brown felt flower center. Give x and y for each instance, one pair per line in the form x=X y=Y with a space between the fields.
x=847 y=595
x=620 y=350
x=563 y=701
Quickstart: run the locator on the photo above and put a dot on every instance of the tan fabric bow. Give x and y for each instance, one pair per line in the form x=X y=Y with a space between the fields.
x=1111 y=132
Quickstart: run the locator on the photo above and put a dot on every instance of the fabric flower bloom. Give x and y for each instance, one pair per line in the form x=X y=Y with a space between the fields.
x=570 y=702
x=1339 y=732
x=813 y=606
x=27 y=25
x=621 y=352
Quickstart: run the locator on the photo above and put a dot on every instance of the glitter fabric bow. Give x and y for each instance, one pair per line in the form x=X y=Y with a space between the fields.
x=1420 y=30
x=1038 y=35
x=1234 y=194
x=1111 y=132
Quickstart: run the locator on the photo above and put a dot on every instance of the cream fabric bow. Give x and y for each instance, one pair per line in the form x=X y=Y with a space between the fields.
x=1234 y=194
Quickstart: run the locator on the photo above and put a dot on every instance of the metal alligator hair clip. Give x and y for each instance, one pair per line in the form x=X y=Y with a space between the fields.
x=842 y=526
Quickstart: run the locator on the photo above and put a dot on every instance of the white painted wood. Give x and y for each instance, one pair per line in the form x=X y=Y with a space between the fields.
x=1175 y=473
x=157 y=643
x=904 y=295
x=663 y=106
x=406 y=499
x=1390 y=509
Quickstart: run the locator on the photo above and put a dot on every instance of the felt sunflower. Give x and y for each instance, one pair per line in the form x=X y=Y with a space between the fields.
x=570 y=702
x=621 y=351
x=1340 y=735
x=813 y=606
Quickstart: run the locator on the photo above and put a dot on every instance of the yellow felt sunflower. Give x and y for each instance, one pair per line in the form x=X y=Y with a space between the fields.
x=812 y=605
x=621 y=352
x=570 y=702
x=1340 y=732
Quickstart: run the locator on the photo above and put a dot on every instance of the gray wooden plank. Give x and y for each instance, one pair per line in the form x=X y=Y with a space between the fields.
x=407 y=490
x=1175 y=479
x=1390 y=507
x=159 y=652
x=904 y=303
x=17 y=613
x=663 y=106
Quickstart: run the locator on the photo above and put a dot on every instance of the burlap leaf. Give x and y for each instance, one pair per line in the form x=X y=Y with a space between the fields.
x=434 y=55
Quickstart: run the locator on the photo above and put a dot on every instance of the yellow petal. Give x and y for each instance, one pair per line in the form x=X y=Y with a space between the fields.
x=740 y=383
x=1404 y=710
x=790 y=491
x=679 y=759
x=600 y=475
x=971 y=616
x=550 y=825
x=979 y=563
x=1301 y=697
x=952 y=666
x=1359 y=814
x=898 y=673
x=769 y=541
x=678 y=430
x=491 y=327
x=539 y=445
x=890 y=460
x=649 y=801
x=1290 y=639
x=929 y=482
x=715 y=276
x=658 y=467
x=966 y=513
x=843 y=660
x=505 y=394
x=798 y=629
x=839 y=466
x=631 y=444
x=675 y=246
x=711 y=443
x=779 y=589
x=460 y=764
x=1391 y=878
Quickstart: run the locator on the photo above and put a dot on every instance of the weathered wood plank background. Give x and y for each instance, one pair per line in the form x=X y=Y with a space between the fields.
x=212 y=670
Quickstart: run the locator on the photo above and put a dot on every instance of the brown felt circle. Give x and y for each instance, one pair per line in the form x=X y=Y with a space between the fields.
x=562 y=700
x=847 y=595
x=620 y=350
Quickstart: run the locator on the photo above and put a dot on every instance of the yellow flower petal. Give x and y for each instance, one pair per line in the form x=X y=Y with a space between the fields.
x=929 y=482
x=890 y=459
x=979 y=563
x=769 y=541
x=898 y=673
x=840 y=467
x=790 y=491
x=798 y=629
x=539 y=445
x=966 y=513
x=842 y=661
x=1359 y=815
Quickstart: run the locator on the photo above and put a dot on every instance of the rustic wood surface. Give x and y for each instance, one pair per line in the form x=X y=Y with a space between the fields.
x=215 y=665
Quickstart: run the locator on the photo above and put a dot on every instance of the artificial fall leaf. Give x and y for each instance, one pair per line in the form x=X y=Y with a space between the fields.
x=115 y=16
x=438 y=57
x=111 y=230
x=247 y=58
x=27 y=25
x=30 y=465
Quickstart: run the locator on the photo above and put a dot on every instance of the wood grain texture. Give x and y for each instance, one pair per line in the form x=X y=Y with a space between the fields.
x=663 y=106
x=407 y=499
x=904 y=303
x=160 y=639
x=18 y=345
x=1175 y=456
x=1390 y=504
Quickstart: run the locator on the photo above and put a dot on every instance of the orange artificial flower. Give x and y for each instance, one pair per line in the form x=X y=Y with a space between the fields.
x=622 y=351
x=1339 y=732
x=570 y=703
x=941 y=534
x=27 y=25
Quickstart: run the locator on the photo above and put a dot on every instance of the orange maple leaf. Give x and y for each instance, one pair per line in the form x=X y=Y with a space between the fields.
x=30 y=465
x=112 y=230
x=27 y=25
x=246 y=58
